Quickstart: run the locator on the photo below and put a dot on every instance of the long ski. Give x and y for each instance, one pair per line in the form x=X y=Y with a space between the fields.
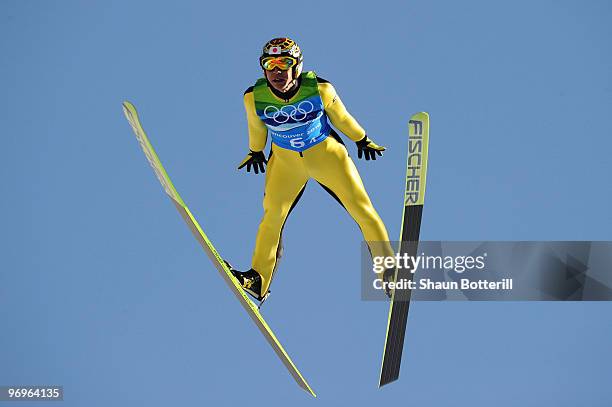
x=414 y=198
x=217 y=260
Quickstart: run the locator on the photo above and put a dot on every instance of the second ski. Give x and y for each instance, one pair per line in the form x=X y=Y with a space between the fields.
x=414 y=198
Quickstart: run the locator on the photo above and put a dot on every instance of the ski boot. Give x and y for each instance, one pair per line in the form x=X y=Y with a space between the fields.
x=388 y=276
x=250 y=281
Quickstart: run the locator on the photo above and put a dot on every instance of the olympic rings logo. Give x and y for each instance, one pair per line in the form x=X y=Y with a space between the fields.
x=287 y=112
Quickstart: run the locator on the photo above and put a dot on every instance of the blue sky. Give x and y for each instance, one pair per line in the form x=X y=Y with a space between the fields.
x=103 y=289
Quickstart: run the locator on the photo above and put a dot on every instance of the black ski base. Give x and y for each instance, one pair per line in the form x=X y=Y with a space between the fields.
x=396 y=332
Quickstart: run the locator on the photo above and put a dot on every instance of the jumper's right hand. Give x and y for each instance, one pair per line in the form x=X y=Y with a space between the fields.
x=255 y=159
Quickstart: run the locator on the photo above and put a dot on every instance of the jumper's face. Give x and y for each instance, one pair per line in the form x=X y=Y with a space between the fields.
x=280 y=80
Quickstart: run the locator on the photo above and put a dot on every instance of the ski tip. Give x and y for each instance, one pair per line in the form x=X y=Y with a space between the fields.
x=128 y=106
x=420 y=116
x=129 y=110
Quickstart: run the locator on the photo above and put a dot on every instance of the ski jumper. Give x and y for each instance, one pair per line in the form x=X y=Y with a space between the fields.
x=304 y=146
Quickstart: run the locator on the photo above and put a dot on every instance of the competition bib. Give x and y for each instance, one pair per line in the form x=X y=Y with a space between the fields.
x=294 y=126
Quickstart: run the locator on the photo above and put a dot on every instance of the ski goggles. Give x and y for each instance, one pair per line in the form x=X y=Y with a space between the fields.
x=282 y=63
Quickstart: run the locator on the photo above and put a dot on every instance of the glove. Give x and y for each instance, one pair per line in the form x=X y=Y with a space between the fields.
x=369 y=149
x=257 y=159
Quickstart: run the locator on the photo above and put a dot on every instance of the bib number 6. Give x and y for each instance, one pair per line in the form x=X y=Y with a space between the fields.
x=297 y=143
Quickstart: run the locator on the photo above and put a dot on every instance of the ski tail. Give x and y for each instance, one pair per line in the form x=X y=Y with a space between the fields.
x=132 y=116
x=414 y=199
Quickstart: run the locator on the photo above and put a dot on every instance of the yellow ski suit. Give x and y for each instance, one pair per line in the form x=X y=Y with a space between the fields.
x=288 y=171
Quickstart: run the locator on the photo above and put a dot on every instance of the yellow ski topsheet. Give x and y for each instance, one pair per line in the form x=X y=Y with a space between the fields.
x=416 y=168
x=248 y=305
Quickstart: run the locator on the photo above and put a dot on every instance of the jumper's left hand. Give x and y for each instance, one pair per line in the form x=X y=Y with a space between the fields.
x=369 y=149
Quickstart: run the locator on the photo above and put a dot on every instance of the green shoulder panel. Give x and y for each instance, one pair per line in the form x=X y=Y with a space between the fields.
x=264 y=96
